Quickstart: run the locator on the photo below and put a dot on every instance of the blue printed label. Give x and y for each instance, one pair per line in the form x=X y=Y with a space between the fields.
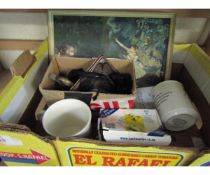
x=106 y=112
x=206 y=164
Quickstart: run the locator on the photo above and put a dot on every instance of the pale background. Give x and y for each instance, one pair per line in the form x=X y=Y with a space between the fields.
x=31 y=25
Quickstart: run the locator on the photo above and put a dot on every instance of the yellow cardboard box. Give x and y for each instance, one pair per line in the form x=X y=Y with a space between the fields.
x=20 y=147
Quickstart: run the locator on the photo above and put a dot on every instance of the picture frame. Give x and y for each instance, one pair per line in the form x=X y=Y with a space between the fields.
x=146 y=38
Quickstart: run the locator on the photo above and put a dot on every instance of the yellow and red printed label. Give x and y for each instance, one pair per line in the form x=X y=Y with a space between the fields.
x=29 y=157
x=102 y=157
x=88 y=154
x=25 y=149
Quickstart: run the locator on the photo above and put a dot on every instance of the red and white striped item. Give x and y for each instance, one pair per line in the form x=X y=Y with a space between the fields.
x=121 y=103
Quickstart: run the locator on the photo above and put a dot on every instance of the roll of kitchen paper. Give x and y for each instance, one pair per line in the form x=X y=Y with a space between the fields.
x=174 y=106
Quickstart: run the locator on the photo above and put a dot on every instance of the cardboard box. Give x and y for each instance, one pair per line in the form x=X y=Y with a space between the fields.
x=73 y=152
x=24 y=78
x=66 y=64
x=21 y=147
x=92 y=152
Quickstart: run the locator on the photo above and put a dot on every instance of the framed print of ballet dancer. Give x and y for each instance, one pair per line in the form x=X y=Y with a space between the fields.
x=145 y=38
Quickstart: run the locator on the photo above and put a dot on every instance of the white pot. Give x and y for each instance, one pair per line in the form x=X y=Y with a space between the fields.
x=174 y=106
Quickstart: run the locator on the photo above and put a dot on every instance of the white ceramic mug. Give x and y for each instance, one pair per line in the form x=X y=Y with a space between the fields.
x=174 y=106
x=66 y=118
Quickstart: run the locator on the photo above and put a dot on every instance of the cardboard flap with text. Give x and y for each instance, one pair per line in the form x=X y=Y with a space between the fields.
x=20 y=147
x=84 y=153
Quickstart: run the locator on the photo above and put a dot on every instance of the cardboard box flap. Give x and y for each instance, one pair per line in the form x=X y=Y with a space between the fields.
x=21 y=129
x=40 y=109
x=84 y=153
x=21 y=148
x=13 y=127
x=202 y=160
x=22 y=64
